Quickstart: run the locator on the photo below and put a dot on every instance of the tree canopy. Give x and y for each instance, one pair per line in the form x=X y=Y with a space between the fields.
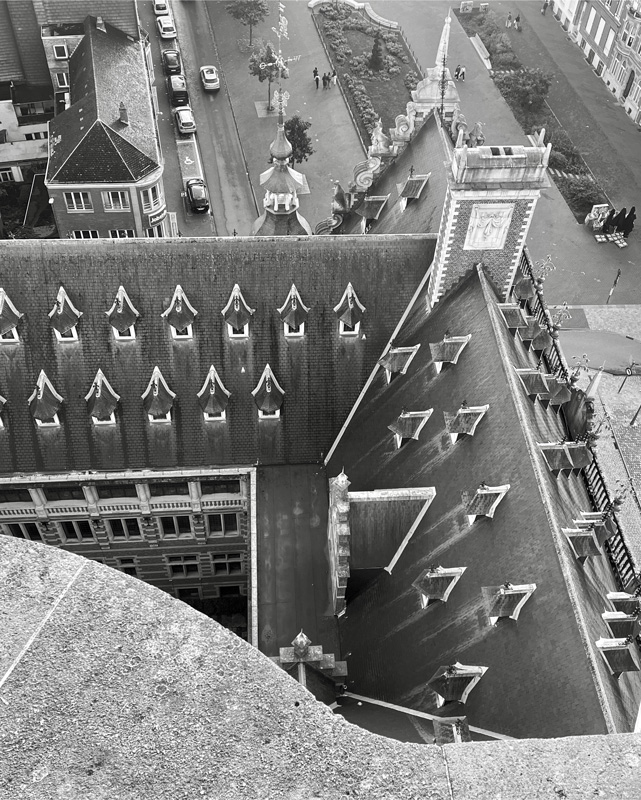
x=296 y=132
x=248 y=12
x=527 y=88
x=269 y=72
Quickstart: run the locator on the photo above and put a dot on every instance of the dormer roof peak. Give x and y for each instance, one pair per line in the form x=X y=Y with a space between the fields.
x=101 y=398
x=268 y=394
x=213 y=397
x=157 y=398
x=293 y=311
x=44 y=402
x=349 y=310
x=237 y=312
x=180 y=312
x=9 y=314
x=64 y=315
x=122 y=314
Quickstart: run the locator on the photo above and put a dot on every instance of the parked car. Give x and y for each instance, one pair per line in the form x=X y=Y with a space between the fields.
x=210 y=79
x=171 y=62
x=185 y=120
x=161 y=8
x=178 y=94
x=197 y=195
x=166 y=27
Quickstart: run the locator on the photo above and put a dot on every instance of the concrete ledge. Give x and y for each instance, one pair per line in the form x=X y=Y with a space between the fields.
x=384 y=23
x=480 y=48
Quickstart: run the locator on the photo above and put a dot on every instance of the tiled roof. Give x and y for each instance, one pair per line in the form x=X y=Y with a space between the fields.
x=321 y=372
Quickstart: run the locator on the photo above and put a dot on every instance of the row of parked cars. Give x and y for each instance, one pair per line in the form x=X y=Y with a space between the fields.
x=196 y=189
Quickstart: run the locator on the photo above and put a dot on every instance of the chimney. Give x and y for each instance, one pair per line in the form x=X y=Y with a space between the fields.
x=124 y=117
x=100 y=25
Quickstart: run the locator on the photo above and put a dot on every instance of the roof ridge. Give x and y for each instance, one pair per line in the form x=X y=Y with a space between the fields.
x=78 y=143
x=120 y=138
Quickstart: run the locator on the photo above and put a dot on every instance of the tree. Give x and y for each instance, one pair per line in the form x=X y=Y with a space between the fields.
x=296 y=132
x=378 y=51
x=248 y=12
x=527 y=89
x=270 y=72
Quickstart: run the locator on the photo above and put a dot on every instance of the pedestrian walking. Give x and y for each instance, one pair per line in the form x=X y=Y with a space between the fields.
x=628 y=222
x=461 y=75
x=457 y=72
x=315 y=73
x=508 y=21
x=517 y=22
x=324 y=80
x=317 y=79
x=334 y=77
x=544 y=8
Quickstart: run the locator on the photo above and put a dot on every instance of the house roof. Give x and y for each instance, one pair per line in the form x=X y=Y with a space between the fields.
x=88 y=142
x=396 y=644
x=321 y=372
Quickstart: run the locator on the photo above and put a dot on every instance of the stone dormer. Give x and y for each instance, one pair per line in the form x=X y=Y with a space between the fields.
x=158 y=399
x=213 y=398
x=534 y=382
x=9 y=318
x=102 y=401
x=123 y=316
x=514 y=317
x=350 y=312
x=583 y=542
x=621 y=625
x=294 y=314
x=180 y=315
x=566 y=456
x=237 y=314
x=436 y=583
x=597 y=522
x=451 y=725
x=370 y=208
x=464 y=422
x=453 y=683
x=408 y=425
x=397 y=360
x=484 y=502
x=410 y=191
x=44 y=403
x=531 y=332
x=268 y=395
x=617 y=654
x=558 y=391
x=625 y=602
x=64 y=318
x=507 y=600
x=448 y=350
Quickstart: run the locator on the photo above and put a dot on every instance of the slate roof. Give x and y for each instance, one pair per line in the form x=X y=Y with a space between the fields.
x=395 y=644
x=321 y=372
x=87 y=142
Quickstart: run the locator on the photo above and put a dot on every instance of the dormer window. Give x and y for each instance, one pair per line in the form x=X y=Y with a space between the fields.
x=44 y=403
x=453 y=683
x=508 y=599
x=64 y=318
x=294 y=314
x=625 y=602
x=529 y=333
x=621 y=625
x=485 y=501
x=9 y=318
x=448 y=350
x=617 y=655
x=570 y=456
x=583 y=542
x=464 y=422
x=123 y=316
x=180 y=315
x=436 y=583
x=397 y=360
x=370 y=209
x=102 y=401
x=268 y=395
x=412 y=188
x=237 y=315
x=408 y=425
x=514 y=316
x=158 y=399
x=213 y=398
x=350 y=312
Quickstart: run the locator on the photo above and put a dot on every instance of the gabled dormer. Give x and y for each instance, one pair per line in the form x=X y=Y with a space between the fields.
x=448 y=350
x=408 y=425
x=484 y=501
x=410 y=191
x=123 y=316
x=617 y=654
x=158 y=399
x=180 y=315
x=558 y=391
x=64 y=318
x=268 y=395
x=237 y=315
x=453 y=683
x=370 y=209
x=514 y=316
x=102 y=401
x=436 y=583
x=569 y=456
x=625 y=602
x=621 y=625
x=507 y=600
x=213 y=398
x=294 y=314
x=9 y=318
x=397 y=360
x=350 y=312
x=534 y=382
x=44 y=403
x=598 y=523
x=583 y=542
x=531 y=331
x=464 y=422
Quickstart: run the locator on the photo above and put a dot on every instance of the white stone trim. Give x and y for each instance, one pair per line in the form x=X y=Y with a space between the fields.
x=527 y=589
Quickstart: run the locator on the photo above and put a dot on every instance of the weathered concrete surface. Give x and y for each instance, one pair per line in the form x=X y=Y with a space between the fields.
x=111 y=689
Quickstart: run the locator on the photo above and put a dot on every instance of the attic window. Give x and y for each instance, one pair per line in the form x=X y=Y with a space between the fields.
x=617 y=655
x=44 y=403
x=448 y=350
x=350 y=312
x=213 y=398
x=465 y=420
x=514 y=316
x=570 y=456
x=531 y=331
x=180 y=315
x=371 y=207
x=294 y=314
x=485 y=501
x=602 y=527
x=397 y=360
x=237 y=315
x=102 y=401
x=9 y=318
x=453 y=683
x=60 y=51
x=534 y=382
x=413 y=186
x=123 y=316
x=158 y=399
x=408 y=425
x=507 y=600
x=436 y=583
x=268 y=395
x=64 y=318
x=621 y=625
x=623 y=601
x=583 y=542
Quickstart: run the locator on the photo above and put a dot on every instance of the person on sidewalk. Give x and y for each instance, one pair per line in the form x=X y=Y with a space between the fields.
x=334 y=77
x=461 y=75
x=618 y=221
x=607 y=222
x=508 y=21
x=317 y=80
x=628 y=222
x=545 y=7
x=457 y=72
x=324 y=80
x=517 y=22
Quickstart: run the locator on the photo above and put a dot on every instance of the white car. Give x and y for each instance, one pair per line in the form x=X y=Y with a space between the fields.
x=166 y=28
x=209 y=78
x=185 y=120
x=161 y=7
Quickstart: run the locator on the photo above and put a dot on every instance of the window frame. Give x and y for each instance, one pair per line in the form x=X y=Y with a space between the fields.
x=294 y=334
x=53 y=423
x=177 y=533
x=63 y=48
x=6 y=175
x=74 y=207
x=345 y=330
x=128 y=536
x=183 y=561
x=221 y=416
x=13 y=339
x=152 y=203
x=231 y=331
x=64 y=83
x=128 y=335
x=118 y=231
x=223 y=533
x=268 y=415
x=227 y=559
x=80 y=539
x=177 y=336
x=159 y=420
x=128 y=565
x=120 y=206
x=64 y=338
x=25 y=534
x=104 y=422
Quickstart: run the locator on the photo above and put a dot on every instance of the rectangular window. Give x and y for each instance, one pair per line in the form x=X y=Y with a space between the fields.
x=10 y=337
x=183 y=566
x=123 y=529
x=115 y=201
x=127 y=335
x=220 y=416
x=122 y=233
x=222 y=524
x=185 y=333
x=15 y=496
x=60 y=51
x=54 y=422
x=155 y=232
x=173 y=527
x=294 y=331
x=128 y=566
x=77 y=530
x=238 y=333
x=159 y=418
x=6 y=176
x=68 y=336
x=62 y=79
x=25 y=530
x=169 y=488
x=30 y=137
x=220 y=487
x=608 y=43
x=590 y=23
x=108 y=491
x=78 y=201
x=268 y=414
x=599 y=31
x=110 y=421
x=227 y=563
x=151 y=198
x=63 y=493
x=348 y=330
x=86 y=235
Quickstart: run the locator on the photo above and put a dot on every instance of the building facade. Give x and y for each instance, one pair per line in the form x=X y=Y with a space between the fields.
x=598 y=29
x=623 y=75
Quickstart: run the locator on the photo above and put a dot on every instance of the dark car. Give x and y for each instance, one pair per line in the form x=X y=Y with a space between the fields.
x=171 y=62
x=178 y=90
x=197 y=195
